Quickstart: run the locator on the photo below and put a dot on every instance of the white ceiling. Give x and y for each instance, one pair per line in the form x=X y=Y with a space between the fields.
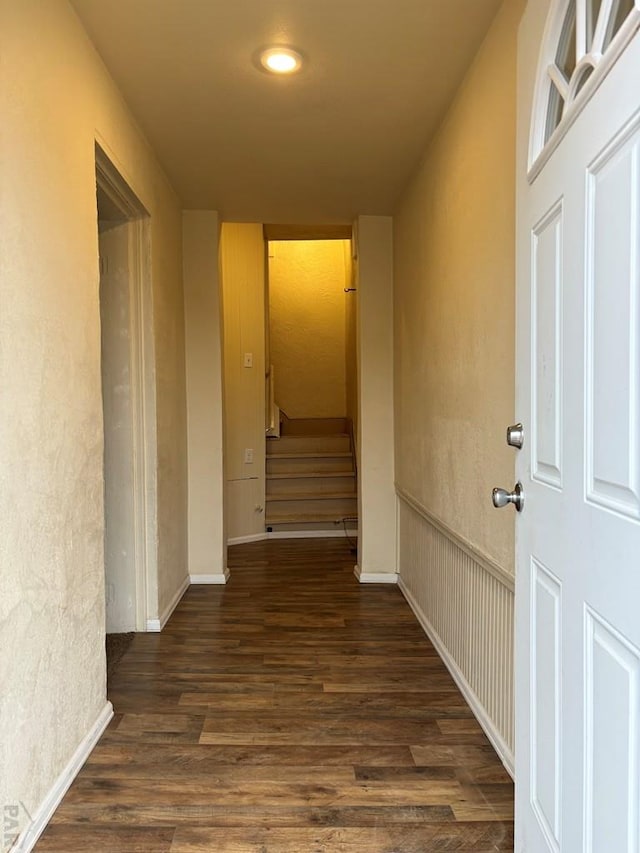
x=340 y=138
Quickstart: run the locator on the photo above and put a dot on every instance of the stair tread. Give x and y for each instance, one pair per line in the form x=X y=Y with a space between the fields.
x=307 y=454
x=301 y=475
x=311 y=496
x=293 y=517
x=305 y=435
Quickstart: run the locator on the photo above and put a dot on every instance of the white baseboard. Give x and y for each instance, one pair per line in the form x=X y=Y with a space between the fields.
x=43 y=815
x=312 y=534
x=156 y=625
x=294 y=534
x=218 y=578
x=241 y=540
x=375 y=577
x=497 y=741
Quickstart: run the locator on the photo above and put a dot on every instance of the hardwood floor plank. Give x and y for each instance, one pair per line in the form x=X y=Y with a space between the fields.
x=453 y=756
x=292 y=710
x=328 y=729
x=432 y=706
x=346 y=840
x=161 y=791
x=208 y=756
x=63 y=838
x=267 y=816
x=227 y=774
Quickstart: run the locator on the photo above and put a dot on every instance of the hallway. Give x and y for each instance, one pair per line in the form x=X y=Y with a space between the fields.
x=292 y=711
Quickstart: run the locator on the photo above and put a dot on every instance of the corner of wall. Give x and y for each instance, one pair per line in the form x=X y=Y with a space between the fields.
x=376 y=493
x=203 y=347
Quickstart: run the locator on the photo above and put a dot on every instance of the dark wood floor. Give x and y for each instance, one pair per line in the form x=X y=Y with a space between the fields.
x=293 y=711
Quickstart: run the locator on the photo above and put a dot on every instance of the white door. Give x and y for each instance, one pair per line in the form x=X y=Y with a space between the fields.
x=578 y=537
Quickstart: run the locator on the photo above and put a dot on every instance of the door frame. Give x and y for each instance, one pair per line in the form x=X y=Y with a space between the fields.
x=143 y=402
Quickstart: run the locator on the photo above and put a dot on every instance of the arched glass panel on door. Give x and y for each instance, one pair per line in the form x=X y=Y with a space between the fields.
x=584 y=39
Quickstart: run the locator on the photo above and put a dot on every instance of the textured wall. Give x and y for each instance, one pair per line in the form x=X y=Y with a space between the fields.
x=307 y=319
x=454 y=305
x=54 y=97
x=242 y=257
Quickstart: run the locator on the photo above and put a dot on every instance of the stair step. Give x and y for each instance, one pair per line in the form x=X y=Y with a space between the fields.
x=338 y=454
x=308 y=475
x=310 y=465
x=314 y=426
x=305 y=517
x=313 y=505
x=316 y=482
x=351 y=527
x=309 y=443
x=311 y=496
x=311 y=478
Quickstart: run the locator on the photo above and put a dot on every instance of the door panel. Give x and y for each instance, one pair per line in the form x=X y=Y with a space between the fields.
x=546 y=286
x=578 y=539
x=612 y=739
x=613 y=387
x=546 y=701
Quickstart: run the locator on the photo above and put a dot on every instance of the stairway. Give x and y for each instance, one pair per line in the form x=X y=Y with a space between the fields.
x=311 y=477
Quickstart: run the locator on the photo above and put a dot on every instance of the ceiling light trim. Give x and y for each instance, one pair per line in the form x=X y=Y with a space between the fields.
x=280 y=60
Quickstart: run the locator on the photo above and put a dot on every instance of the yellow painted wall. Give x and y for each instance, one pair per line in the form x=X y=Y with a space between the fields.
x=55 y=97
x=242 y=260
x=454 y=305
x=351 y=339
x=307 y=326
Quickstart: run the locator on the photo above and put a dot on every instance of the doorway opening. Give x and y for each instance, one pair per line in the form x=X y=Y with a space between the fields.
x=128 y=403
x=311 y=358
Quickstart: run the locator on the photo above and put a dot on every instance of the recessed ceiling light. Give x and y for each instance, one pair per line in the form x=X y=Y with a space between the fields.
x=280 y=60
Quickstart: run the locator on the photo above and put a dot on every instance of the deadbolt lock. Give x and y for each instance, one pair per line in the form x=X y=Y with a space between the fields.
x=515 y=436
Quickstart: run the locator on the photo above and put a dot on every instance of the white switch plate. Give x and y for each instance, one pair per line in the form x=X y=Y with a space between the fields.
x=248 y=455
x=248 y=359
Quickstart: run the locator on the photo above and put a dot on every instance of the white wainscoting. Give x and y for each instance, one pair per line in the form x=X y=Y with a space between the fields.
x=465 y=604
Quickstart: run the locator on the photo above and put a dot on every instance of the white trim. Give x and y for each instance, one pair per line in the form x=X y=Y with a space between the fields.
x=109 y=178
x=483 y=560
x=144 y=419
x=30 y=834
x=219 y=578
x=156 y=625
x=312 y=534
x=241 y=540
x=375 y=577
x=497 y=741
x=295 y=534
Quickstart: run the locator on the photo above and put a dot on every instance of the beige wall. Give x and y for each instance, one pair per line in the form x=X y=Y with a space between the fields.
x=242 y=257
x=454 y=306
x=307 y=326
x=203 y=326
x=55 y=96
x=376 y=496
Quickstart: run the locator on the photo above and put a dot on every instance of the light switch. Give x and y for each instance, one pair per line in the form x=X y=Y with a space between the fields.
x=248 y=359
x=248 y=455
